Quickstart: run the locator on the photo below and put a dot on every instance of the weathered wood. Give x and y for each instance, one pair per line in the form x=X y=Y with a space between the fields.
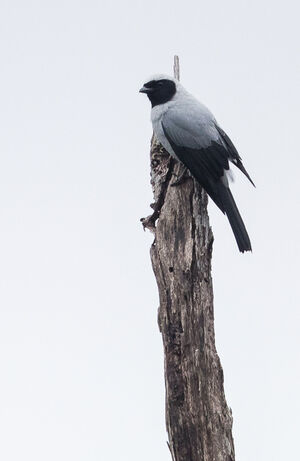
x=198 y=419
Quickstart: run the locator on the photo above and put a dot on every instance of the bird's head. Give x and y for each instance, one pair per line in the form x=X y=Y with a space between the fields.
x=160 y=89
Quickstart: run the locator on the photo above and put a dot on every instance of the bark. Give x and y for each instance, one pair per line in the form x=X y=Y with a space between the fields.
x=198 y=420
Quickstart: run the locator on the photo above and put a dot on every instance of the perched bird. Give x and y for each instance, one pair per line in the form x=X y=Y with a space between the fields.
x=189 y=132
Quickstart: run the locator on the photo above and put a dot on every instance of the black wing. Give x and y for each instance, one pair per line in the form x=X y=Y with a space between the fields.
x=234 y=155
x=208 y=166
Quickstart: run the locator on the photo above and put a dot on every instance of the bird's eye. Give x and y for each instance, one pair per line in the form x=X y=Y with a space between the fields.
x=160 y=83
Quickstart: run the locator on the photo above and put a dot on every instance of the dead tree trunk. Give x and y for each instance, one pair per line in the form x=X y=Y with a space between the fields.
x=198 y=419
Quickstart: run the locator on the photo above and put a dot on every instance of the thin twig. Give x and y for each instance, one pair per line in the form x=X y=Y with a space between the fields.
x=176 y=67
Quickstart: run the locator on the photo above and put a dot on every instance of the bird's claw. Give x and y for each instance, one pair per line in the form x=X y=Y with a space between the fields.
x=181 y=177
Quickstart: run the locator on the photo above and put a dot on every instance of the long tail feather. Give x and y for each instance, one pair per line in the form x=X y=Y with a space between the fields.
x=235 y=220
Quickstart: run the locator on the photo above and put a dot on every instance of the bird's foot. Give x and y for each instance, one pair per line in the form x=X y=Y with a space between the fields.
x=182 y=176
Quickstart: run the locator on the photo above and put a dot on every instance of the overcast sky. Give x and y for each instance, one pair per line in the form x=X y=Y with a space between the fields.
x=81 y=357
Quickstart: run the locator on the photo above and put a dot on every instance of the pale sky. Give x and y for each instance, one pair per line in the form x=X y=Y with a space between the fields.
x=81 y=356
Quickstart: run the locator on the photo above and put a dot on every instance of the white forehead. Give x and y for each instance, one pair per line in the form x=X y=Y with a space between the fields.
x=157 y=77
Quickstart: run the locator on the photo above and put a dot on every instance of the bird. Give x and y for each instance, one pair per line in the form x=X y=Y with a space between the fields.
x=190 y=133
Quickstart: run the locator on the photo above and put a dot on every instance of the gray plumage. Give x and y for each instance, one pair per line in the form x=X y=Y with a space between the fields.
x=190 y=133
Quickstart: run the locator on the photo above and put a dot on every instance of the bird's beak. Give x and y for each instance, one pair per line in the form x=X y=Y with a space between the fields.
x=145 y=90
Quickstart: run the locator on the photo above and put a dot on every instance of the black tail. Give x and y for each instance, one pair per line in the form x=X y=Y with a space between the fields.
x=235 y=220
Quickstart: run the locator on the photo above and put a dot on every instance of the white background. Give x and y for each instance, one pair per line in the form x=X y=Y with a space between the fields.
x=80 y=353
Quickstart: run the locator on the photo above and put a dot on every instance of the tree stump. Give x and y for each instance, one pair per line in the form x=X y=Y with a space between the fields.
x=198 y=420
